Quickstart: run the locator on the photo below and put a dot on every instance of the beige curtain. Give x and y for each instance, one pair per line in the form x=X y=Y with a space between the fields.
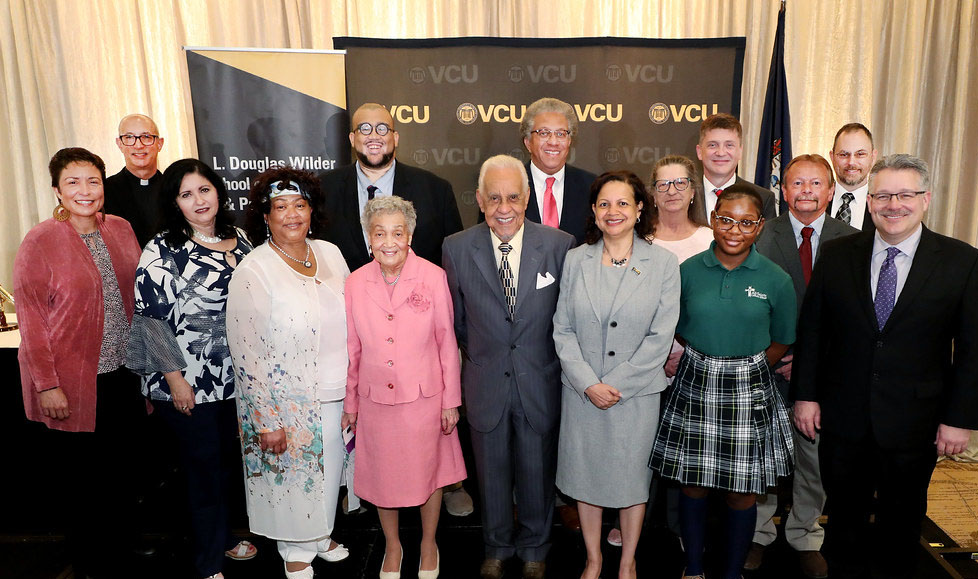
x=70 y=69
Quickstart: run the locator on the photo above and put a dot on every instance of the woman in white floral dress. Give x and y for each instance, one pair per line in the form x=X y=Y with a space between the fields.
x=287 y=331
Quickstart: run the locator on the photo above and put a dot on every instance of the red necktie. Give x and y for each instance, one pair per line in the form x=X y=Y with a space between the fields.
x=717 y=192
x=550 y=205
x=805 y=252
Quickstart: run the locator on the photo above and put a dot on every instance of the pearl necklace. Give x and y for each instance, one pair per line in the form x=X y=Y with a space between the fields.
x=306 y=263
x=383 y=275
x=206 y=238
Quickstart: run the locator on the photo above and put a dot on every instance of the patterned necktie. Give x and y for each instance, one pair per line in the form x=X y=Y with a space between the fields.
x=718 y=191
x=371 y=191
x=845 y=212
x=550 y=216
x=886 y=288
x=506 y=276
x=805 y=252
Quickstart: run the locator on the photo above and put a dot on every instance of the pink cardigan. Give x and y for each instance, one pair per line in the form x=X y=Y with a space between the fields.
x=401 y=346
x=60 y=311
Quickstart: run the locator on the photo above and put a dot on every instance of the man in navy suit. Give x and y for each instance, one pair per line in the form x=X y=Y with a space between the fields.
x=719 y=149
x=504 y=275
x=808 y=188
x=559 y=192
x=376 y=173
x=886 y=367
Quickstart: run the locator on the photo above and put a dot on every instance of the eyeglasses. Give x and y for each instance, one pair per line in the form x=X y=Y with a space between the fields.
x=559 y=134
x=146 y=139
x=366 y=128
x=724 y=223
x=662 y=185
x=845 y=155
x=902 y=196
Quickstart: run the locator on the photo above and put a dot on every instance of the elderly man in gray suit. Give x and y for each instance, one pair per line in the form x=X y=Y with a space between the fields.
x=792 y=241
x=504 y=277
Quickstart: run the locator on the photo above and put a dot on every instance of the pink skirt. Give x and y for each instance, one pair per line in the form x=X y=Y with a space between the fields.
x=402 y=456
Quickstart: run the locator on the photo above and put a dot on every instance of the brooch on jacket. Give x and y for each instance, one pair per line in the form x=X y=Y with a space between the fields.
x=418 y=300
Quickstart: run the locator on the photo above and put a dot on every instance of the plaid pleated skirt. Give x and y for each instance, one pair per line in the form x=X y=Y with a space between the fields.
x=724 y=425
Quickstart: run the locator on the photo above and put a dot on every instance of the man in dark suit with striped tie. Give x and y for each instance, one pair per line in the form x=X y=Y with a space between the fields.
x=504 y=275
x=852 y=157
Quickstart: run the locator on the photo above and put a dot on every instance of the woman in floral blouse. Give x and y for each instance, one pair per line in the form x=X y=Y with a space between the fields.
x=403 y=388
x=287 y=331
x=179 y=346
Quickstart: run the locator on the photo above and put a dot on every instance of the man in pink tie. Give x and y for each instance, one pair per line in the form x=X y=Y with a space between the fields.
x=559 y=192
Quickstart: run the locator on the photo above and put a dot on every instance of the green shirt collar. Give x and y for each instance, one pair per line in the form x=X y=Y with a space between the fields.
x=752 y=261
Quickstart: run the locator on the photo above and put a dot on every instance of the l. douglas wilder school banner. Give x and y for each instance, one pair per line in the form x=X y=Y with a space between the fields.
x=456 y=102
x=257 y=109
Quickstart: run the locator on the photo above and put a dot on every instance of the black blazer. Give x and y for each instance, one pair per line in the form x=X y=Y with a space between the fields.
x=433 y=200
x=769 y=211
x=577 y=197
x=921 y=370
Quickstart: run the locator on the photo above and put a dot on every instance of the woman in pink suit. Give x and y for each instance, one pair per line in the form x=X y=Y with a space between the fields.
x=403 y=387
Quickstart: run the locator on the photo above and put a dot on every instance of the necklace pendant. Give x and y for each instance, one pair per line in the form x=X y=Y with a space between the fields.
x=307 y=263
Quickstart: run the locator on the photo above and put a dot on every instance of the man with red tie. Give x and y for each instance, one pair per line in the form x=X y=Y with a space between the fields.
x=720 y=149
x=793 y=241
x=559 y=193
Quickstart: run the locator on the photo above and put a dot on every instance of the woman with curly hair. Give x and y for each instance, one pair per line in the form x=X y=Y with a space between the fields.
x=287 y=332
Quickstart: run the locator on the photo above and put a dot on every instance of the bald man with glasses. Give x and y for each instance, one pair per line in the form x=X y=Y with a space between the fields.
x=133 y=192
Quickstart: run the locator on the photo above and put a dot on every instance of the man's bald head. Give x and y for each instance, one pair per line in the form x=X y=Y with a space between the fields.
x=141 y=158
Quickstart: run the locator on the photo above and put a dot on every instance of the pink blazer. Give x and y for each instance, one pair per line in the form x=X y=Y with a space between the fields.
x=401 y=346
x=60 y=311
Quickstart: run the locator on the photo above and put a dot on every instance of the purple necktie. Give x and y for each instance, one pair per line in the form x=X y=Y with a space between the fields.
x=886 y=288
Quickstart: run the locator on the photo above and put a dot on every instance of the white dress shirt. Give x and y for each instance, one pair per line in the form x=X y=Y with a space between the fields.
x=797 y=226
x=514 y=254
x=858 y=205
x=540 y=187
x=710 y=197
x=902 y=261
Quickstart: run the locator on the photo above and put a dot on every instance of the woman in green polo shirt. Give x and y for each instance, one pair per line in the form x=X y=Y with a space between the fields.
x=725 y=426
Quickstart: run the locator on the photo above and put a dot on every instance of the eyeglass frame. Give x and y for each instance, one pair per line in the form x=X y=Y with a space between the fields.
x=879 y=197
x=846 y=155
x=673 y=182
x=720 y=219
x=141 y=138
x=546 y=133
x=373 y=128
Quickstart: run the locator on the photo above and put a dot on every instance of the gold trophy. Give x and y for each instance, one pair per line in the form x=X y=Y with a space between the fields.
x=5 y=296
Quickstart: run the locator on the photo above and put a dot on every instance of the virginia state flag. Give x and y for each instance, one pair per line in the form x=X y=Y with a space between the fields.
x=774 y=150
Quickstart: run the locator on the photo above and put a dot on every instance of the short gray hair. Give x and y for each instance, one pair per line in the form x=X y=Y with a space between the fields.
x=388 y=205
x=901 y=161
x=548 y=105
x=502 y=162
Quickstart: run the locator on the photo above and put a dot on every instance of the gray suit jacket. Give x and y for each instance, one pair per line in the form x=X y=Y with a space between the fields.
x=777 y=243
x=497 y=352
x=639 y=331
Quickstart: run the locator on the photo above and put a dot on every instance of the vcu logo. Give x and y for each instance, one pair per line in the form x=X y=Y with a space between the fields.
x=409 y=113
x=450 y=73
x=549 y=73
x=647 y=73
x=660 y=112
x=633 y=155
x=447 y=156
x=466 y=113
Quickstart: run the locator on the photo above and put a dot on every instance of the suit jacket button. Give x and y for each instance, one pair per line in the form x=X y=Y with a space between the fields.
x=390 y=340
x=390 y=317
x=512 y=347
x=614 y=324
x=506 y=374
x=876 y=376
x=391 y=386
x=611 y=353
x=879 y=343
x=390 y=362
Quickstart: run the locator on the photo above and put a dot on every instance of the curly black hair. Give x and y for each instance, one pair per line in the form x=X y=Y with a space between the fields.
x=259 y=203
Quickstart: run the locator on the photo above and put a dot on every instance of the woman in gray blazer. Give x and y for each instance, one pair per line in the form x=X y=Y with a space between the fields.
x=615 y=320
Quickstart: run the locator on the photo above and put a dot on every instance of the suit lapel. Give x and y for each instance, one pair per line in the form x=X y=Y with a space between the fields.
x=485 y=261
x=861 y=255
x=784 y=238
x=530 y=258
x=532 y=210
x=591 y=269
x=351 y=211
x=639 y=266
x=375 y=287
x=921 y=268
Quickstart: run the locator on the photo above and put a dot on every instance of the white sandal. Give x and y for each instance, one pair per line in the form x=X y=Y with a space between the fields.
x=334 y=555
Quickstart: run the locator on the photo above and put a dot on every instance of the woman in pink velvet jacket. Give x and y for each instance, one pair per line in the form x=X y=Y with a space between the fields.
x=403 y=385
x=74 y=278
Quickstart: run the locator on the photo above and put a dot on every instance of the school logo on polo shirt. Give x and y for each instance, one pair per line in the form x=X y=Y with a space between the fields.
x=753 y=293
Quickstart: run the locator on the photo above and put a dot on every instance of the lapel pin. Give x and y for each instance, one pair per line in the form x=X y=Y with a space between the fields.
x=637 y=272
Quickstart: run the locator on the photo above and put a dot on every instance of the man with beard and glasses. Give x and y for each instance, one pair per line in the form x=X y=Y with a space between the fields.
x=377 y=174
x=852 y=157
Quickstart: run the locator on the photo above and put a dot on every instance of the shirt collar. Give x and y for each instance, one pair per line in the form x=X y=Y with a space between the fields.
x=908 y=246
x=516 y=242
x=384 y=183
x=539 y=176
x=709 y=187
x=797 y=226
x=858 y=193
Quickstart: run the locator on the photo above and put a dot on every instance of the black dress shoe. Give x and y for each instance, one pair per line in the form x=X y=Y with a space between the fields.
x=491 y=569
